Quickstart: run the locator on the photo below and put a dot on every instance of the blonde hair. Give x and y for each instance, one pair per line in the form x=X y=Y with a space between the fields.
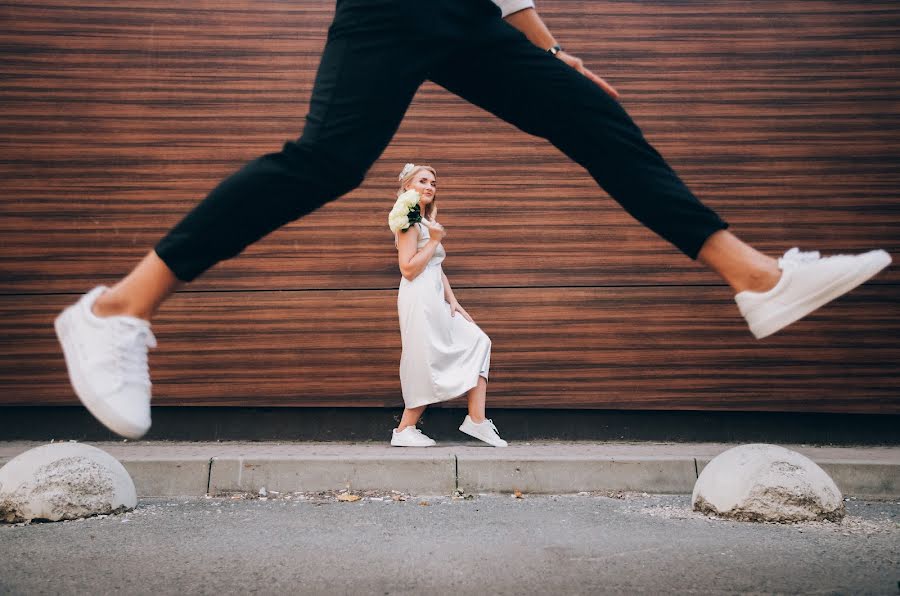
x=431 y=209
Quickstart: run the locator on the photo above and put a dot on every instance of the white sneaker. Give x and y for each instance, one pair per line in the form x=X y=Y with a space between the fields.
x=107 y=362
x=807 y=282
x=411 y=437
x=483 y=431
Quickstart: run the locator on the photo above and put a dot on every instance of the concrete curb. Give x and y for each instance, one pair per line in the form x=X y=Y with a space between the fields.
x=408 y=474
x=169 y=476
x=864 y=479
x=196 y=469
x=858 y=478
x=576 y=474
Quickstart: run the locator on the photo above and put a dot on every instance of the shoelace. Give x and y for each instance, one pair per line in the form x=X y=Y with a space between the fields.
x=491 y=422
x=131 y=352
x=796 y=257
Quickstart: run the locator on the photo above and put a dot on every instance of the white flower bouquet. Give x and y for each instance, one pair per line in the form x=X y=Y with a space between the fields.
x=405 y=212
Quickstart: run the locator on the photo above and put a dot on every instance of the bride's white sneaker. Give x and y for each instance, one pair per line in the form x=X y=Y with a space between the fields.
x=483 y=431
x=411 y=437
x=107 y=362
x=807 y=282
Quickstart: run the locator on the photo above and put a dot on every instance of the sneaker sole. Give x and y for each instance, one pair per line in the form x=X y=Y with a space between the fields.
x=393 y=444
x=880 y=259
x=461 y=429
x=97 y=407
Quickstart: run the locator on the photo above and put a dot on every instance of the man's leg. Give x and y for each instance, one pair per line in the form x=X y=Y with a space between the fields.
x=504 y=73
x=541 y=95
x=358 y=101
x=365 y=82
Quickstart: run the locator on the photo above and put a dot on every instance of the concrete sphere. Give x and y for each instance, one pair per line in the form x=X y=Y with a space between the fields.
x=64 y=481
x=761 y=482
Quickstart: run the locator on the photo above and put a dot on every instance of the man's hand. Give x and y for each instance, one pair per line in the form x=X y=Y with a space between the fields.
x=528 y=22
x=578 y=65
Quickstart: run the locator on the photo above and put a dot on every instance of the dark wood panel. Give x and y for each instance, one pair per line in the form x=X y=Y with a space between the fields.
x=628 y=348
x=116 y=117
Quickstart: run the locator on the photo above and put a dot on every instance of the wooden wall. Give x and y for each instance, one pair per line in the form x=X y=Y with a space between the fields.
x=117 y=116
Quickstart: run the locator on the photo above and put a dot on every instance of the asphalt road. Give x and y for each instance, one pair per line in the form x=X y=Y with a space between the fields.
x=579 y=544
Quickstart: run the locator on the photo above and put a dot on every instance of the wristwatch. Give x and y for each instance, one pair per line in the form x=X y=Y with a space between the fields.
x=555 y=49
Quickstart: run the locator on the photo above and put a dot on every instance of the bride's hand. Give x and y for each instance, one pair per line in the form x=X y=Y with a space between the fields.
x=436 y=230
x=456 y=308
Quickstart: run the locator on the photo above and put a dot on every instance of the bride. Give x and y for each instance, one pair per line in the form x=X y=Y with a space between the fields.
x=445 y=354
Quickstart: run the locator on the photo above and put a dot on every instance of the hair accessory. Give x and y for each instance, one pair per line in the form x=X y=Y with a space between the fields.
x=406 y=170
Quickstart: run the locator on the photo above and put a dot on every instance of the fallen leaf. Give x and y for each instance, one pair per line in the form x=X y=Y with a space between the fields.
x=517 y=494
x=424 y=503
x=347 y=497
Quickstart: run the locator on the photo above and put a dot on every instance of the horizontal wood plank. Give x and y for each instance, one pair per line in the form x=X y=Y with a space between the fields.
x=621 y=348
x=116 y=118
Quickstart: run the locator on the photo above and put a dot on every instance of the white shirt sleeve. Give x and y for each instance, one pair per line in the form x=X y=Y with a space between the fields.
x=510 y=6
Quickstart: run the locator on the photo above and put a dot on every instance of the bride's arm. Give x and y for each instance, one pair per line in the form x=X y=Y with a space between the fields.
x=448 y=291
x=451 y=299
x=413 y=261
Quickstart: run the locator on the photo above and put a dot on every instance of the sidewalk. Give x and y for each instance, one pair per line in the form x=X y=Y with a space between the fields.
x=195 y=469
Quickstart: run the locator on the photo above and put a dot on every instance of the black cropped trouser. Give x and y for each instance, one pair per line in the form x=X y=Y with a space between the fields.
x=377 y=55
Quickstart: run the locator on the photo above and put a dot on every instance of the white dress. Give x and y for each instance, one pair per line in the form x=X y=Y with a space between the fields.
x=443 y=356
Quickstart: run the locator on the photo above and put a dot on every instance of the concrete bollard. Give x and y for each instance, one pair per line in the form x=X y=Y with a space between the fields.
x=760 y=482
x=64 y=481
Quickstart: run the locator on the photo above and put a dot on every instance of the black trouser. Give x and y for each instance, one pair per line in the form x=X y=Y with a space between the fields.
x=377 y=55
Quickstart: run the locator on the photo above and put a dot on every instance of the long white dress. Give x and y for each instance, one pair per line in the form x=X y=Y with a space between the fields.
x=443 y=356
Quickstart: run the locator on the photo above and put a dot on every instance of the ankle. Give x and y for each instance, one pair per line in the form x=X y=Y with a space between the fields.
x=477 y=419
x=760 y=280
x=110 y=304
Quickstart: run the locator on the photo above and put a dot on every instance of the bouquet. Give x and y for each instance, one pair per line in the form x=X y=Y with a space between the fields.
x=405 y=212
